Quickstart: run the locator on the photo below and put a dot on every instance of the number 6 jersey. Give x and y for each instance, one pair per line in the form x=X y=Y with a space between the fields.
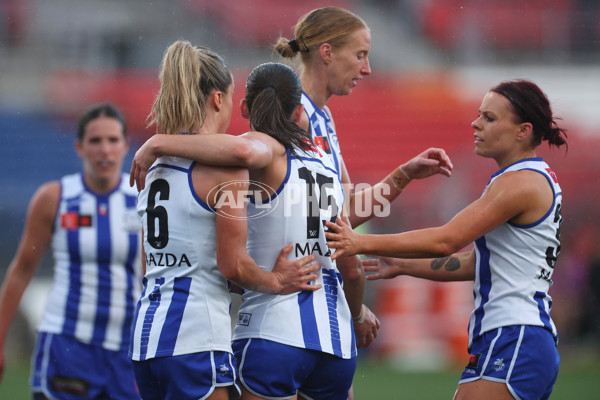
x=310 y=195
x=184 y=307
x=514 y=266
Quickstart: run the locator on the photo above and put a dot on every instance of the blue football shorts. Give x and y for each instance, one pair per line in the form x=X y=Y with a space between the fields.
x=188 y=376
x=65 y=368
x=524 y=357
x=277 y=371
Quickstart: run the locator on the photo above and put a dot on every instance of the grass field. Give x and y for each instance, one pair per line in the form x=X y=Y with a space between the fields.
x=376 y=381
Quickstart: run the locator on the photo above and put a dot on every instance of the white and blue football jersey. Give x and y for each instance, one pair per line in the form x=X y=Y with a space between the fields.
x=184 y=306
x=323 y=132
x=309 y=195
x=96 y=248
x=514 y=266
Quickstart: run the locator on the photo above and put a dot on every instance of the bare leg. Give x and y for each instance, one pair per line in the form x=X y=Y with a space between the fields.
x=482 y=389
x=246 y=395
x=220 y=393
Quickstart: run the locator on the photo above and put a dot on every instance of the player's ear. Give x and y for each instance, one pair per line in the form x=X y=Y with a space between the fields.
x=78 y=148
x=217 y=99
x=525 y=130
x=297 y=114
x=326 y=51
x=244 y=109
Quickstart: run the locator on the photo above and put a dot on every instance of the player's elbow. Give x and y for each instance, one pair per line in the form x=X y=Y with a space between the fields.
x=445 y=248
x=232 y=272
x=251 y=155
x=350 y=268
x=231 y=267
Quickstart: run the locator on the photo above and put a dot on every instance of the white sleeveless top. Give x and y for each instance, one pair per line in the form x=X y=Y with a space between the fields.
x=321 y=320
x=96 y=248
x=514 y=266
x=184 y=307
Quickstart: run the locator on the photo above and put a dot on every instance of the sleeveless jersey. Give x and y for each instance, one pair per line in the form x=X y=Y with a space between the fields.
x=184 y=306
x=514 y=266
x=309 y=195
x=323 y=132
x=96 y=248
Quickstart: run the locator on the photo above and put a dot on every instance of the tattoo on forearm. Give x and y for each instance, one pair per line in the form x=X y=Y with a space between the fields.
x=453 y=264
x=449 y=263
x=437 y=263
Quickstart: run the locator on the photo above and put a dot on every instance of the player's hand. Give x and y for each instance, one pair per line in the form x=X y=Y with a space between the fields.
x=342 y=238
x=381 y=268
x=430 y=162
x=142 y=161
x=367 y=330
x=295 y=276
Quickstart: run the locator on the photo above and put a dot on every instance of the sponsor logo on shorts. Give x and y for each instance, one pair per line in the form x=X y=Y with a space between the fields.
x=498 y=364
x=474 y=361
x=73 y=386
x=223 y=370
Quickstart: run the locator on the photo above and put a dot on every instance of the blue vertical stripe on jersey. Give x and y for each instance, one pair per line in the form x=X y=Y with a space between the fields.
x=316 y=131
x=485 y=282
x=104 y=255
x=331 y=297
x=544 y=316
x=168 y=336
x=310 y=331
x=329 y=127
x=314 y=124
x=154 y=299
x=353 y=338
x=72 y=306
x=130 y=203
x=137 y=313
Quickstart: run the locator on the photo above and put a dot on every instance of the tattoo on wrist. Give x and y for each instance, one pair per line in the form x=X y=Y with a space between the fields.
x=449 y=263
x=399 y=181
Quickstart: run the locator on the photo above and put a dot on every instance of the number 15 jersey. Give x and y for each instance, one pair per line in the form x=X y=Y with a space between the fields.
x=310 y=194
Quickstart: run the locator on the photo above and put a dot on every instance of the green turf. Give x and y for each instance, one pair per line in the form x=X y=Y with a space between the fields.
x=15 y=382
x=380 y=381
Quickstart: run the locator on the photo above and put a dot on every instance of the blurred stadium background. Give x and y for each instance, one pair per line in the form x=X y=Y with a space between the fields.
x=432 y=61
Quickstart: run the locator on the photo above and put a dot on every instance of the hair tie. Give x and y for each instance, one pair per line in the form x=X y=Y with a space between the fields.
x=294 y=45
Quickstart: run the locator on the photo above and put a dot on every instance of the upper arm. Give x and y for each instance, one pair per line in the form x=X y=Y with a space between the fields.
x=231 y=224
x=39 y=227
x=216 y=149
